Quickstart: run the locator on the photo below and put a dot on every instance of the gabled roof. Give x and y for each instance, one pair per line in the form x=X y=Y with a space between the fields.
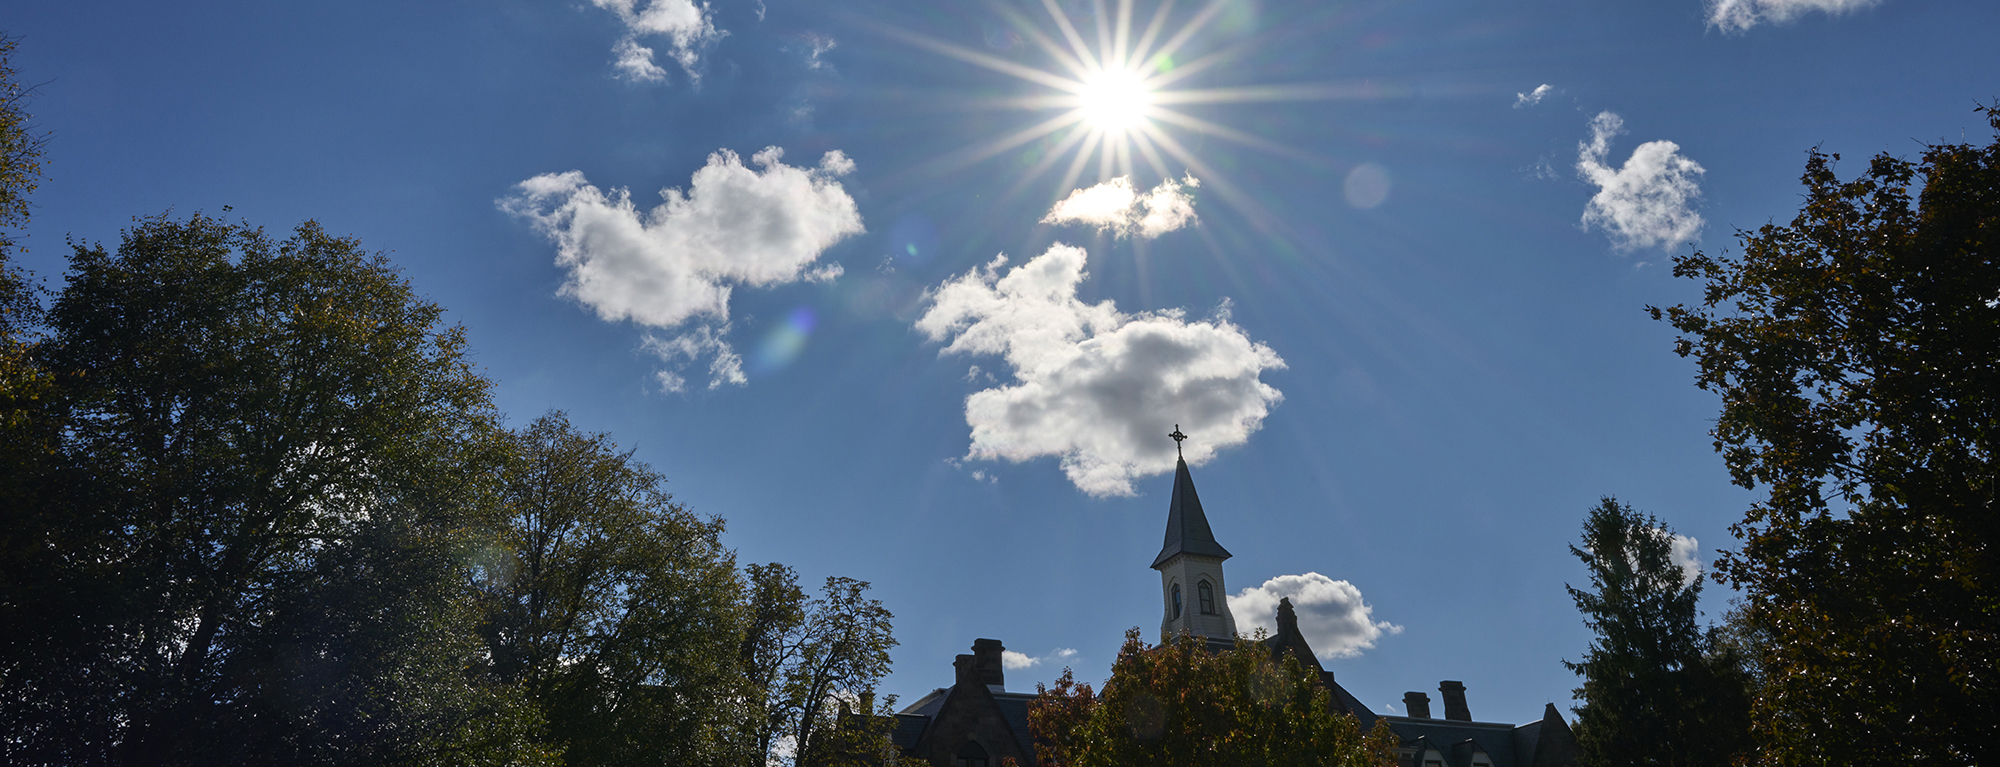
x=1187 y=526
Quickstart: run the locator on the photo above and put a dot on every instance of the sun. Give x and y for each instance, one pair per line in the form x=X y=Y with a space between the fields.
x=1115 y=100
x=1120 y=99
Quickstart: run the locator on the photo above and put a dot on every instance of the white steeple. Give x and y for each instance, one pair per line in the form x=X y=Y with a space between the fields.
x=1192 y=593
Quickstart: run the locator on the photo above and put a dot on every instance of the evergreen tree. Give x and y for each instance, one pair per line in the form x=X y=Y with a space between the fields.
x=1657 y=689
x=1857 y=354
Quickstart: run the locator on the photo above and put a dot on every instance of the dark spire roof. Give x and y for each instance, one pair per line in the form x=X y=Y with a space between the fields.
x=1187 y=527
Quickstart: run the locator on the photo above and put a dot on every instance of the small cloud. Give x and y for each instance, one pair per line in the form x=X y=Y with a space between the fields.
x=1741 y=15
x=735 y=225
x=980 y=475
x=1686 y=554
x=1332 y=616
x=687 y=28
x=1117 y=206
x=1533 y=97
x=817 y=45
x=1094 y=386
x=1014 y=661
x=1647 y=203
x=1544 y=170
x=635 y=62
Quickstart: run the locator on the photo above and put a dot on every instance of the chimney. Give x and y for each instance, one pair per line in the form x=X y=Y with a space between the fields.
x=1454 y=701
x=992 y=670
x=1417 y=704
x=967 y=671
x=1288 y=619
x=868 y=703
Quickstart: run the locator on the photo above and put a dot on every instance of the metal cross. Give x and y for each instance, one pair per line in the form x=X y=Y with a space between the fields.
x=1177 y=436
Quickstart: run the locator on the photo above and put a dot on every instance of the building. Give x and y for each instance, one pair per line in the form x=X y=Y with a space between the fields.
x=976 y=722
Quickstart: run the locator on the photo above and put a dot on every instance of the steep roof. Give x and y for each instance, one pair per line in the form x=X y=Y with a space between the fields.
x=1187 y=526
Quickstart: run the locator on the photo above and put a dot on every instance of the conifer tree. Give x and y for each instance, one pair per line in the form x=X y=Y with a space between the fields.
x=1658 y=690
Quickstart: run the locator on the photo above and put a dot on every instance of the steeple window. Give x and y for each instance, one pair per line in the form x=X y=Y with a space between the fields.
x=1177 y=602
x=1206 y=593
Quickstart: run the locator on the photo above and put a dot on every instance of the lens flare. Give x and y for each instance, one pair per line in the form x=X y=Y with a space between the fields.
x=784 y=343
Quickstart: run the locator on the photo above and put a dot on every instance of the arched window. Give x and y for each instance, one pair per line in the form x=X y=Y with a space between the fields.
x=1207 y=595
x=1177 y=602
x=970 y=755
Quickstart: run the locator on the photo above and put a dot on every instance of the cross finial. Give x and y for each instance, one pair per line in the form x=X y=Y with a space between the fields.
x=1177 y=437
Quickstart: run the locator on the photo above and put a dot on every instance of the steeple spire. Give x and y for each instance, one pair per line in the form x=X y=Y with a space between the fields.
x=1187 y=526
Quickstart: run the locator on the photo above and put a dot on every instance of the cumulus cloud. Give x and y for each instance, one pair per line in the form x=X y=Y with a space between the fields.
x=687 y=28
x=1533 y=97
x=1740 y=15
x=1647 y=203
x=1331 y=614
x=1117 y=206
x=1094 y=386
x=1014 y=661
x=734 y=225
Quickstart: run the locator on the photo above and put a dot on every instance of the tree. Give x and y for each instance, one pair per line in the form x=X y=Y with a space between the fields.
x=1857 y=354
x=613 y=607
x=1181 y=705
x=247 y=546
x=20 y=172
x=805 y=661
x=1657 y=688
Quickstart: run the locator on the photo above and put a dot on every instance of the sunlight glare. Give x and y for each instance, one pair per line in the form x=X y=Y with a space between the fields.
x=1115 y=100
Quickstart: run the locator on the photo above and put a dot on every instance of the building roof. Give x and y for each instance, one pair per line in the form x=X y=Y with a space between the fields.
x=1187 y=526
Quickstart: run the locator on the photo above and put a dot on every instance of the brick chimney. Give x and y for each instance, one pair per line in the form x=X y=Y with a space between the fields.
x=1454 y=701
x=966 y=671
x=868 y=703
x=1418 y=705
x=992 y=670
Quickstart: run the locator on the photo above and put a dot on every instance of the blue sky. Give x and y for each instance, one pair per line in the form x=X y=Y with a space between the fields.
x=1388 y=271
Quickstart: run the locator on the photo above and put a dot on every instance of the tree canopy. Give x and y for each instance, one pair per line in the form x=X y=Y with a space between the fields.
x=242 y=548
x=1857 y=354
x=616 y=610
x=1181 y=705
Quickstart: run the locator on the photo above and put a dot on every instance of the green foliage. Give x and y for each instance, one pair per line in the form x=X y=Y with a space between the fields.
x=1657 y=689
x=246 y=546
x=1857 y=354
x=804 y=660
x=20 y=152
x=613 y=607
x=22 y=384
x=1181 y=705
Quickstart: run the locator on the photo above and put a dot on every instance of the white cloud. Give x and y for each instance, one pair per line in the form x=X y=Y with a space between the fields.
x=1740 y=15
x=817 y=46
x=1097 y=387
x=1647 y=203
x=1117 y=206
x=1331 y=614
x=1014 y=661
x=1686 y=554
x=1533 y=97
x=687 y=28
x=735 y=225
